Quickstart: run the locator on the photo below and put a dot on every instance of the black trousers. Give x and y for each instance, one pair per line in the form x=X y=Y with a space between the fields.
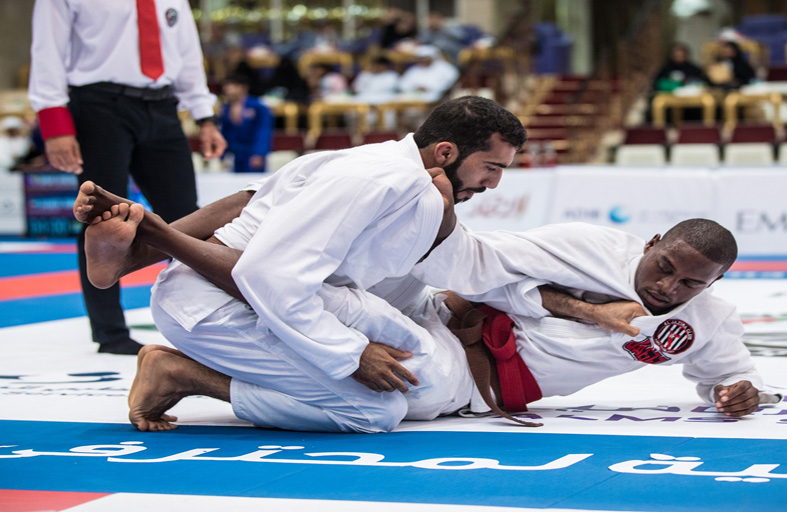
x=121 y=136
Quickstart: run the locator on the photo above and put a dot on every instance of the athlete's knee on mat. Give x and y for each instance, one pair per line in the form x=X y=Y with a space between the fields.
x=383 y=417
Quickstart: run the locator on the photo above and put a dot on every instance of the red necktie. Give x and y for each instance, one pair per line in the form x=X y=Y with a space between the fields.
x=150 y=59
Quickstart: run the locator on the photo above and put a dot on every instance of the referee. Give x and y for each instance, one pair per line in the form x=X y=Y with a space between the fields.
x=106 y=81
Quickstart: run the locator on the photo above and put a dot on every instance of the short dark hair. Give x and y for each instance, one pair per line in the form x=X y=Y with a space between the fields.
x=382 y=60
x=469 y=122
x=238 y=79
x=710 y=238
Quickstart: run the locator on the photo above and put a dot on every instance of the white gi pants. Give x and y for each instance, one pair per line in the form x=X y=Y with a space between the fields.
x=271 y=384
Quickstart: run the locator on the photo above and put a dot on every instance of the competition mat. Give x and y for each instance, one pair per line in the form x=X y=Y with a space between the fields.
x=639 y=442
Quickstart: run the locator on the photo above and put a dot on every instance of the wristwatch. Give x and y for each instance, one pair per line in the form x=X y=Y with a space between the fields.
x=211 y=119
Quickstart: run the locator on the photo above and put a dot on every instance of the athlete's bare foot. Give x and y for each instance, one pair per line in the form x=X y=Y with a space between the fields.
x=92 y=201
x=163 y=379
x=144 y=351
x=155 y=390
x=108 y=244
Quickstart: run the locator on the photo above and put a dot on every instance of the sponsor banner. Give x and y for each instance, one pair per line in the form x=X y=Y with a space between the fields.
x=12 y=204
x=519 y=203
x=466 y=468
x=642 y=202
x=751 y=204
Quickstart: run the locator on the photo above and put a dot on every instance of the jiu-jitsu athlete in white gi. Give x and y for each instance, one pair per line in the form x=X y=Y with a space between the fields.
x=682 y=321
x=319 y=232
x=685 y=324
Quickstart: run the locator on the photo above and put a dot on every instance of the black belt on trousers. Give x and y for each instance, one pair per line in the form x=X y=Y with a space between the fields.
x=142 y=93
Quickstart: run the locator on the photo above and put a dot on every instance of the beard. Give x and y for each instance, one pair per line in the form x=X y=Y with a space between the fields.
x=451 y=171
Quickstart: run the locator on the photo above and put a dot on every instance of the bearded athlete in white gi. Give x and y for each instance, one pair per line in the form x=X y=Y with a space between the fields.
x=318 y=233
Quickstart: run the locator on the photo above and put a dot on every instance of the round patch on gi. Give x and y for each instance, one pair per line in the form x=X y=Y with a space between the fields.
x=674 y=336
x=172 y=17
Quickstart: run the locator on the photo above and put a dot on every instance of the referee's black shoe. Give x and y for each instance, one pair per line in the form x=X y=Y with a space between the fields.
x=125 y=346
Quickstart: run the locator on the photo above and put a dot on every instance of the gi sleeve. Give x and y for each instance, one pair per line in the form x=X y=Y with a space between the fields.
x=521 y=298
x=467 y=265
x=191 y=86
x=722 y=360
x=372 y=316
x=297 y=247
x=48 y=89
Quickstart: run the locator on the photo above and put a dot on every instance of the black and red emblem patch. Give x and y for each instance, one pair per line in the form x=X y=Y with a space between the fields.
x=671 y=337
x=674 y=336
x=644 y=352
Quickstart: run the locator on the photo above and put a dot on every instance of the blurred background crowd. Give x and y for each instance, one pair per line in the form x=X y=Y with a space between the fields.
x=594 y=81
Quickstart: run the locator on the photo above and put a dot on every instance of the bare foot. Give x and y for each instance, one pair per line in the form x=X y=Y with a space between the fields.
x=144 y=351
x=92 y=201
x=155 y=390
x=108 y=243
x=165 y=377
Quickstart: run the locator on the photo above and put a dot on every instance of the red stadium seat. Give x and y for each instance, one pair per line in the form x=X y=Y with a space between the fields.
x=331 y=141
x=645 y=135
x=375 y=137
x=753 y=133
x=699 y=134
x=288 y=142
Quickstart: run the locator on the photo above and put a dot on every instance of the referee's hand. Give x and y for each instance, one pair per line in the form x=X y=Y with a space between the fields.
x=213 y=144
x=63 y=153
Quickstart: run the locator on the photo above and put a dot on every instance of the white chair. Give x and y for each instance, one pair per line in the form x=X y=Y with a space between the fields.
x=783 y=153
x=278 y=159
x=637 y=155
x=748 y=153
x=695 y=154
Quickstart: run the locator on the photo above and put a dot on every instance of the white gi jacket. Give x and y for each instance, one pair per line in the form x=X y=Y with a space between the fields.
x=597 y=264
x=346 y=218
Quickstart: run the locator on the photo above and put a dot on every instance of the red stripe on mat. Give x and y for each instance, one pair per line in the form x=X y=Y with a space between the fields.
x=761 y=266
x=58 y=283
x=12 y=500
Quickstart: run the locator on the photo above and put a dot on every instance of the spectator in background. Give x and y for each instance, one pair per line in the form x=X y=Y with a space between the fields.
x=247 y=125
x=678 y=71
x=287 y=83
x=325 y=82
x=430 y=77
x=323 y=38
x=14 y=142
x=446 y=35
x=731 y=70
x=237 y=64
x=376 y=84
x=400 y=26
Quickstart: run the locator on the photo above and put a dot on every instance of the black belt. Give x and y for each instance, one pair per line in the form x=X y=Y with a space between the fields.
x=142 y=93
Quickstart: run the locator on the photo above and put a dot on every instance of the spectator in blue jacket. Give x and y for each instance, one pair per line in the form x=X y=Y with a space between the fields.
x=247 y=125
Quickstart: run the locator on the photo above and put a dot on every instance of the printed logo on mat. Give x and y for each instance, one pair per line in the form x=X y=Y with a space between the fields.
x=516 y=470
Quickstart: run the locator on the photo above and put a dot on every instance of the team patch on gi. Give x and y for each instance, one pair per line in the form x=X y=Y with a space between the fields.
x=674 y=336
x=645 y=352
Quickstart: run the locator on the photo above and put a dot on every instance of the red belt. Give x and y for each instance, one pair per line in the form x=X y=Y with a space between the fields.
x=513 y=383
x=518 y=387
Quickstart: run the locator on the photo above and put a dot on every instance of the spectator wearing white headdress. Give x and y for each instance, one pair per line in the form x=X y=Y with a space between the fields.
x=14 y=141
x=431 y=75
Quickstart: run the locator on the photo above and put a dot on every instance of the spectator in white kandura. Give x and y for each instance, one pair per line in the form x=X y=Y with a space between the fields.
x=431 y=75
x=14 y=143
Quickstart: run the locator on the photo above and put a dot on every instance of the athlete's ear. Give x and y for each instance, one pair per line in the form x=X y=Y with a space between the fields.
x=445 y=153
x=652 y=243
